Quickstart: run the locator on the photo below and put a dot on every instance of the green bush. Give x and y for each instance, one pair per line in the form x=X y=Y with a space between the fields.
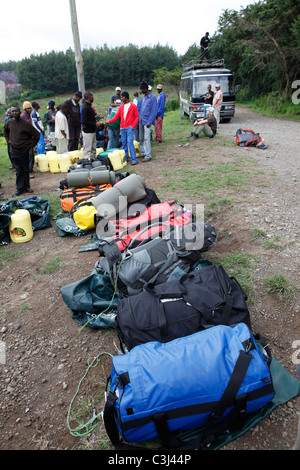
x=172 y=104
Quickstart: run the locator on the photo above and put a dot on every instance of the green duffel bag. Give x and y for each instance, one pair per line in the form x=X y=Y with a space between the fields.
x=92 y=300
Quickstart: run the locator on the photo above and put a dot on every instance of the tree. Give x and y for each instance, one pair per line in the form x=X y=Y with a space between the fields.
x=262 y=40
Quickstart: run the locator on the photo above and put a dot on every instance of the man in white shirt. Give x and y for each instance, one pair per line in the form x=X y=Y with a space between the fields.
x=61 y=129
x=217 y=103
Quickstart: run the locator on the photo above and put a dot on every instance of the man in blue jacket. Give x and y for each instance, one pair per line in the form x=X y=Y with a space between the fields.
x=160 y=110
x=147 y=119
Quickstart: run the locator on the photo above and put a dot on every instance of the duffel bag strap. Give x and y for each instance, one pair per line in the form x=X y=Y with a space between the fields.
x=111 y=427
x=109 y=419
x=232 y=388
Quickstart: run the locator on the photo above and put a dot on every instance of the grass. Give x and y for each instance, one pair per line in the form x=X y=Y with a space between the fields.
x=279 y=285
x=218 y=180
x=240 y=265
x=257 y=234
x=53 y=265
x=9 y=255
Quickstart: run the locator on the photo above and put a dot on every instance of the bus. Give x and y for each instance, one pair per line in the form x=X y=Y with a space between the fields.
x=194 y=86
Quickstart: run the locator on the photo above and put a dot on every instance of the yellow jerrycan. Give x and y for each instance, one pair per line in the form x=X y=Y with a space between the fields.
x=117 y=159
x=20 y=227
x=64 y=162
x=137 y=148
x=42 y=163
x=54 y=163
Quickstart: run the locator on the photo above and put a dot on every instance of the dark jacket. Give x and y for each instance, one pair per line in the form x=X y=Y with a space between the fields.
x=88 y=118
x=21 y=135
x=74 y=118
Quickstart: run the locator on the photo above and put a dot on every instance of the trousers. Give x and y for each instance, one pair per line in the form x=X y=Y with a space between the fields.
x=203 y=128
x=113 y=137
x=145 y=141
x=89 y=144
x=74 y=136
x=127 y=142
x=158 y=128
x=21 y=164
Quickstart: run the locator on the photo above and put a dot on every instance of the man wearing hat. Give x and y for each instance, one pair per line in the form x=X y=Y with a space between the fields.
x=74 y=120
x=147 y=119
x=160 y=110
x=207 y=125
x=116 y=99
x=217 y=103
x=27 y=109
x=50 y=120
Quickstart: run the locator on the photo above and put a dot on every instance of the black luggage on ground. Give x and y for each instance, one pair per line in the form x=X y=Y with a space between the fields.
x=197 y=300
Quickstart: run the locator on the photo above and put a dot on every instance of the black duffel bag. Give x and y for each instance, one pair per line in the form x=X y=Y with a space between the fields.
x=177 y=308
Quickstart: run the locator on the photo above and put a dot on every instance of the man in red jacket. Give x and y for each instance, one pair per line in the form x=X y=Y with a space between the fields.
x=129 y=115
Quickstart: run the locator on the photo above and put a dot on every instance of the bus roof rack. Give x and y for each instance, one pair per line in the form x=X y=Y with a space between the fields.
x=212 y=63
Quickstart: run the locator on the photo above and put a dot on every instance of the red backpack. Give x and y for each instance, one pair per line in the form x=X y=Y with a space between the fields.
x=248 y=138
x=144 y=226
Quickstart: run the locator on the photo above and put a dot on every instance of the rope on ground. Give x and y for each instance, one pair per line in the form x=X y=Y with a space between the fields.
x=84 y=429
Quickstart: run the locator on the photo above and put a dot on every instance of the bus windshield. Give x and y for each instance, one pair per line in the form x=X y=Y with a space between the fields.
x=201 y=84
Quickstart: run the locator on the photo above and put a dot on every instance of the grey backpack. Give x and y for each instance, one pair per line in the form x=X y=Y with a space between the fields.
x=153 y=261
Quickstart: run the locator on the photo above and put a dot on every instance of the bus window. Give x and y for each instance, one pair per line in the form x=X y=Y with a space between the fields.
x=201 y=84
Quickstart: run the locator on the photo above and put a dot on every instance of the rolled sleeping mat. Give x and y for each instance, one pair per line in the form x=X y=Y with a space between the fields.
x=85 y=177
x=133 y=187
x=115 y=199
x=100 y=176
x=78 y=178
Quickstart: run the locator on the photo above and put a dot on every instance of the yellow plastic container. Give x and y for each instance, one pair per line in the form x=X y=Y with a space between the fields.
x=64 y=162
x=75 y=155
x=117 y=159
x=137 y=148
x=43 y=163
x=20 y=227
x=54 y=163
x=99 y=150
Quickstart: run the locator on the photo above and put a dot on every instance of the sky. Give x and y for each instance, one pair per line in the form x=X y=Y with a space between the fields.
x=35 y=27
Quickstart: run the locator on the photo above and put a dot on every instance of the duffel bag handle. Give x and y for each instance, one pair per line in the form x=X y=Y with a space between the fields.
x=240 y=287
x=266 y=350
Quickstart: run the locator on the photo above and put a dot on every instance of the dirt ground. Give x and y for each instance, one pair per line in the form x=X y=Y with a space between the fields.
x=47 y=356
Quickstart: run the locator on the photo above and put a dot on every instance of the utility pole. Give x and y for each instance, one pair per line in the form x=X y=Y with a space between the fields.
x=78 y=55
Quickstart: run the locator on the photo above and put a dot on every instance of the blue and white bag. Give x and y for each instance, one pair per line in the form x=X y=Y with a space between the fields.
x=215 y=376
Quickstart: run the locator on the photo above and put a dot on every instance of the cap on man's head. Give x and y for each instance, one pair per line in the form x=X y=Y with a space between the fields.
x=211 y=109
x=118 y=88
x=51 y=103
x=144 y=85
x=79 y=94
x=218 y=85
x=125 y=94
x=27 y=105
x=207 y=33
x=159 y=87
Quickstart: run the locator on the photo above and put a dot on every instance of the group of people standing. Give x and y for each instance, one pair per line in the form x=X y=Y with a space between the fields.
x=72 y=122
x=135 y=119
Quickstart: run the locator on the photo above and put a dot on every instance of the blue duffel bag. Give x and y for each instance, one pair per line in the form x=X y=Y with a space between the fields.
x=211 y=378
